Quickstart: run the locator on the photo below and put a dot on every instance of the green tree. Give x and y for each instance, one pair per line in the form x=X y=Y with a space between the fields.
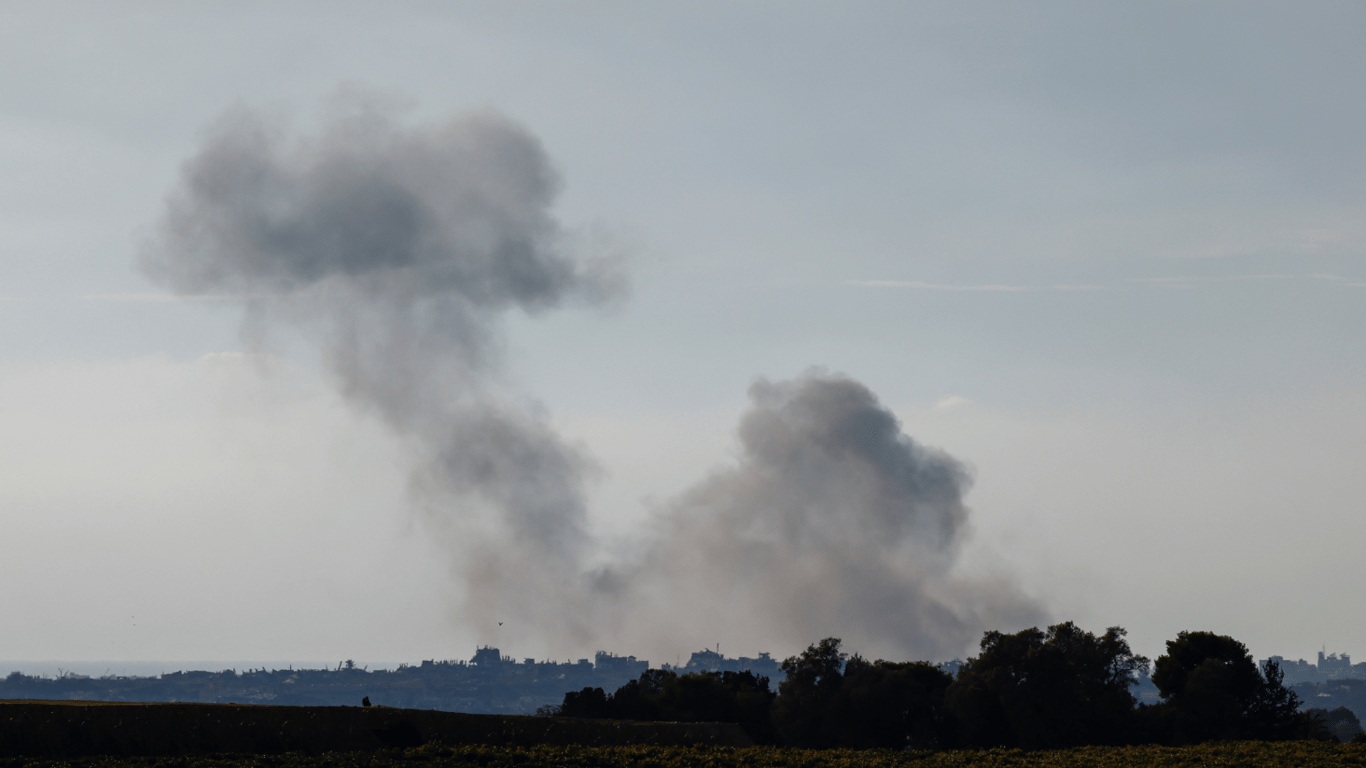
x=807 y=695
x=1035 y=689
x=589 y=702
x=751 y=703
x=828 y=701
x=1274 y=712
x=697 y=697
x=639 y=699
x=1212 y=690
x=720 y=697
x=1343 y=724
x=1313 y=726
x=892 y=705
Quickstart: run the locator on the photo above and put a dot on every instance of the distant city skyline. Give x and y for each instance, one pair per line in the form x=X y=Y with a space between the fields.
x=1338 y=663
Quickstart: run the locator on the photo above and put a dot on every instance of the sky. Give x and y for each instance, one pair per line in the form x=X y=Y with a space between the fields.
x=1110 y=260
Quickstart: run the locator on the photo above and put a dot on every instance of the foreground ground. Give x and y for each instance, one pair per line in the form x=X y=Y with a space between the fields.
x=66 y=730
x=1225 y=755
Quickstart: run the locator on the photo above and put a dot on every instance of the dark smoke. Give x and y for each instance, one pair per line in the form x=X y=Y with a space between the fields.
x=401 y=248
x=831 y=523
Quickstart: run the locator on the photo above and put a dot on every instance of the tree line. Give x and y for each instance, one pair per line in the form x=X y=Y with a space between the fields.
x=1034 y=689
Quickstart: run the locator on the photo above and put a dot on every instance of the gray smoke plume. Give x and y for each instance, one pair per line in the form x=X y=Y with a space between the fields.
x=831 y=523
x=401 y=248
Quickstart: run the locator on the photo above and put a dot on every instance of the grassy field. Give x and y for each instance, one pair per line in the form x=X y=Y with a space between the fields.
x=108 y=735
x=70 y=729
x=1223 y=755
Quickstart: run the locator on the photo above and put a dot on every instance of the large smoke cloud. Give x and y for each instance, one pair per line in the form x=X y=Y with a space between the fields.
x=831 y=522
x=400 y=249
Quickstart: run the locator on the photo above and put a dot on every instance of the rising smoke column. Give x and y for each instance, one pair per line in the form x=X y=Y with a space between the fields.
x=831 y=522
x=400 y=248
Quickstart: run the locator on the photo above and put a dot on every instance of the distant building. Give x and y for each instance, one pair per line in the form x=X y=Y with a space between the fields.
x=1336 y=667
x=1331 y=666
x=625 y=665
x=708 y=660
x=488 y=657
x=489 y=682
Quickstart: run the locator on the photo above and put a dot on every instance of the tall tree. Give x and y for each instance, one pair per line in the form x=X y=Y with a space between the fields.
x=892 y=705
x=1034 y=689
x=589 y=702
x=827 y=701
x=1211 y=689
x=808 y=693
x=1275 y=710
x=723 y=697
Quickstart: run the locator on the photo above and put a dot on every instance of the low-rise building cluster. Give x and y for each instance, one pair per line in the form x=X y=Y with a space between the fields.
x=487 y=683
x=1330 y=666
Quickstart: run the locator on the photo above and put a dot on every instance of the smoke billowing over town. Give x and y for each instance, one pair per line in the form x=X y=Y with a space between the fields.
x=399 y=249
x=881 y=375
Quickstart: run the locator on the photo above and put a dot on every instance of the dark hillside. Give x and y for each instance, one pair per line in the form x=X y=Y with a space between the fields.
x=1336 y=693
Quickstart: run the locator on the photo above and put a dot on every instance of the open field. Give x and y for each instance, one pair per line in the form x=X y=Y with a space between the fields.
x=68 y=729
x=104 y=735
x=1224 y=755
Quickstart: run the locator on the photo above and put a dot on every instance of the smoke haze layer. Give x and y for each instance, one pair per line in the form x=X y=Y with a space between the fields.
x=399 y=249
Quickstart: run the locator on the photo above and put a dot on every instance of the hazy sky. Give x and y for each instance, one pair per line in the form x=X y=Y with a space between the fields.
x=1113 y=258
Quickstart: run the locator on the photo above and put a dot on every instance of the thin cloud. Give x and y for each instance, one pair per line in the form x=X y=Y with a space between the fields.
x=987 y=288
x=1350 y=282
x=950 y=403
x=1189 y=281
x=153 y=298
x=1211 y=278
x=1167 y=282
